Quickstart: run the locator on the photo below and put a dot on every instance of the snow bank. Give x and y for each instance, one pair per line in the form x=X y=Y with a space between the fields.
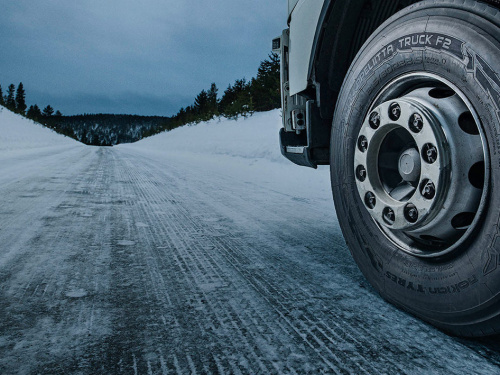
x=18 y=133
x=246 y=149
x=255 y=137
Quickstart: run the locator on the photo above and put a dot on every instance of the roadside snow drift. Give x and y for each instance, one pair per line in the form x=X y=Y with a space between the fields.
x=246 y=149
x=18 y=134
x=254 y=137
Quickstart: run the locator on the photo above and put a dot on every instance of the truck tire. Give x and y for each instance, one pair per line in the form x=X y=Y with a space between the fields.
x=415 y=163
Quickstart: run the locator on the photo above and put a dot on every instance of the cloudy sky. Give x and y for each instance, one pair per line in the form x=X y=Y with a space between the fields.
x=147 y=57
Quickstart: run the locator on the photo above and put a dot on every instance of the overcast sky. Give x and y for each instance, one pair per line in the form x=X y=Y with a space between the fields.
x=147 y=57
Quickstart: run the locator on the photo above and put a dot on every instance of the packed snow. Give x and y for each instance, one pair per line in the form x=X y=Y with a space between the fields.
x=196 y=251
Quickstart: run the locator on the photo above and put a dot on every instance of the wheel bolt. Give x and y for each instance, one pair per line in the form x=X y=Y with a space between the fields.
x=361 y=173
x=430 y=153
x=428 y=189
x=394 y=112
x=370 y=200
x=416 y=123
x=362 y=143
x=374 y=120
x=411 y=213
x=389 y=215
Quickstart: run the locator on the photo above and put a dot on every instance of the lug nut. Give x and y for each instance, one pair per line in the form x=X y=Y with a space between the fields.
x=428 y=189
x=374 y=120
x=361 y=173
x=362 y=143
x=370 y=200
x=389 y=215
x=411 y=213
x=416 y=123
x=430 y=153
x=394 y=112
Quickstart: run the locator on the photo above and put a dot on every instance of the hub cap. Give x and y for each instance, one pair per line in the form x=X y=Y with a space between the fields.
x=420 y=167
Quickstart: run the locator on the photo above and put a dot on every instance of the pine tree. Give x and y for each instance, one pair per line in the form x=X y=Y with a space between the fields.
x=58 y=113
x=227 y=98
x=265 y=88
x=201 y=105
x=1 y=96
x=21 y=99
x=37 y=112
x=10 y=101
x=212 y=101
x=237 y=100
x=34 y=113
x=48 y=111
x=30 y=112
x=182 y=115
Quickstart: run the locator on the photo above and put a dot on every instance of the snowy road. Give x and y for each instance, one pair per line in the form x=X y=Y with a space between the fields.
x=119 y=260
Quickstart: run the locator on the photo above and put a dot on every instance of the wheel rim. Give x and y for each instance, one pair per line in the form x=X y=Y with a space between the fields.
x=412 y=174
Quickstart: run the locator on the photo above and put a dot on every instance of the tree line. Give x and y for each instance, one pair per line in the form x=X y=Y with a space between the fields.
x=242 y=98
x=15 y=100
x=107 y=130
x=91 y=129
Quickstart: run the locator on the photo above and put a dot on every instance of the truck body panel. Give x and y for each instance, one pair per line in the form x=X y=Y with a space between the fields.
x=303 y=26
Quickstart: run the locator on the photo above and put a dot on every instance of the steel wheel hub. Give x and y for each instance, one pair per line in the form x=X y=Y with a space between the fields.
x=419 y=168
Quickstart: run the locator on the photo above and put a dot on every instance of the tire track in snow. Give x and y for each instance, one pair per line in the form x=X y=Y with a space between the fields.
x=332 y=367
x=312 y=339
x=195 y=270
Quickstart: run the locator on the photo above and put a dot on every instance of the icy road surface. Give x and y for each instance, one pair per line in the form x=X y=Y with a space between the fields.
x=142 y=260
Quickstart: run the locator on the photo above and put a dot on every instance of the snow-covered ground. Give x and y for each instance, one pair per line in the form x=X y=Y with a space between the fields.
x=196 y=251
x=247 y=149
x=255 y=137
x=18 y=135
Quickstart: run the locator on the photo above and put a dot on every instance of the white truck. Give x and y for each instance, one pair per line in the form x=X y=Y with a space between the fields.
x=402 y=99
